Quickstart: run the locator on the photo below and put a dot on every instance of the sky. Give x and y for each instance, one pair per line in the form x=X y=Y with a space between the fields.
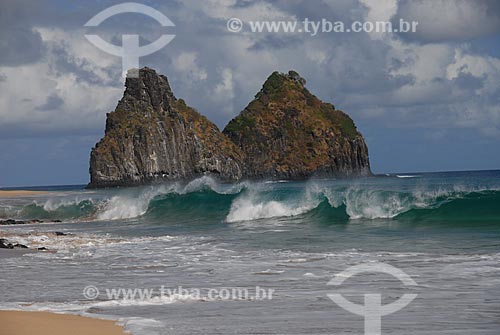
x=424 y=101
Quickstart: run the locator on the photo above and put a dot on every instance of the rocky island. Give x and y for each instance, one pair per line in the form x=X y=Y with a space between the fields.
x=154 y=136
x=288 y=133
x=284 y=133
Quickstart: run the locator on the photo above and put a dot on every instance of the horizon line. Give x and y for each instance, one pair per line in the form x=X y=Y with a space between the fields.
x=24 y=187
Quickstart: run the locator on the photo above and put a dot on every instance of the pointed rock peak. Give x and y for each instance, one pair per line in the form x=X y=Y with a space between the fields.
x=144 y=75
x=278 y=79
x=287 y=132
x=295 y=76
x=278 y=83
x=148 y=87
x=154 y=137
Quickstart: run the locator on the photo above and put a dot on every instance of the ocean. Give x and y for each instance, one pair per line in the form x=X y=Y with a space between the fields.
x=258 y=257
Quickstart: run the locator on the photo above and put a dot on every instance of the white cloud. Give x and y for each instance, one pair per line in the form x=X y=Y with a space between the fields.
x=384 y=77
x=380 y=11
x=443 y=20
x=185 y=63
x=81 y=104
x=225 y=9
x=224 y=91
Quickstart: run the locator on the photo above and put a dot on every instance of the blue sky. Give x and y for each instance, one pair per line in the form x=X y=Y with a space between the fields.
x=427 y=101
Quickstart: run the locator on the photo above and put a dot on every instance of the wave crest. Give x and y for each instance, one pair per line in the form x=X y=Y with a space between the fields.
x=204 y=199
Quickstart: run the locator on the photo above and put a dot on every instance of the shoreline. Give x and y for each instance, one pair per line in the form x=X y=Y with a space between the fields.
x=46 y=323
x=19 y=193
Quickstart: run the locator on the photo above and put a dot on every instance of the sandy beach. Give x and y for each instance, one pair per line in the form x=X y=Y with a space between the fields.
x=19 y=193
x=43 y=323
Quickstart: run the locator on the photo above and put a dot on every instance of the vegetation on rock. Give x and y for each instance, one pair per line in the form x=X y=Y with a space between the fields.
x=285 y=132
x=153 y=136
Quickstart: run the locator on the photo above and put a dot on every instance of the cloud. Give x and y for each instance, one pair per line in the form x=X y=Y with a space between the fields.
x=414 y=96
x=186 y=64
x=53 y=102
x=445 y=20
x=58 y=94
x=19 y=46
x=20 y=43
x=224 y=91
x=275 y=41
x=381 y=79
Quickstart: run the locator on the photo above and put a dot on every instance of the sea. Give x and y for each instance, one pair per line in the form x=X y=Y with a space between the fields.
x=264 y=257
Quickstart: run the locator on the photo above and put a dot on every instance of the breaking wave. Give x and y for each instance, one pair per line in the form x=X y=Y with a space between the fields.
x=206 y=200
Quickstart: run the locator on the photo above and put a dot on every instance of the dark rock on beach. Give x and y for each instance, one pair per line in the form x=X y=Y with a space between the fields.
x=4 y=244
x=10 y=222
x=19 y=222
x=13 y=222
x=60 y=233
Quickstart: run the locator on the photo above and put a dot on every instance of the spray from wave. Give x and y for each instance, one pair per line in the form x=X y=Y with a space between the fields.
x=261 y=204
x=359 y=202
x=204 y=199
x=58 y=209
x=134 y=203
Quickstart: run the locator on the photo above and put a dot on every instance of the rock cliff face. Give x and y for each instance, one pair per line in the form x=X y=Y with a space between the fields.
x=152 y=136
x=284 y=133
x=288 y=133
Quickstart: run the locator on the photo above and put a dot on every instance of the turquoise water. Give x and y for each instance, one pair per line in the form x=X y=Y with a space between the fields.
x=442 y=229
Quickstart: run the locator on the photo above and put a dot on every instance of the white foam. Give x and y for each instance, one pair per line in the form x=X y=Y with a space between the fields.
x=76 y=246
x=311 y=275
x=153 y=301
x=269 y=272
x=360 y=201
x=142 y=326
x=374 y=204
x=363 y=202
x=53 y=204
x=251 y=207
x=129 y=204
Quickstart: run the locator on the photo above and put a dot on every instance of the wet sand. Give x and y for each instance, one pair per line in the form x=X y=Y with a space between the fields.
x=43 y=323
x=18 y=193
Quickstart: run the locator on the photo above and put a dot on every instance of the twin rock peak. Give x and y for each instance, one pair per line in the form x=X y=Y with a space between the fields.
x=284 y=133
